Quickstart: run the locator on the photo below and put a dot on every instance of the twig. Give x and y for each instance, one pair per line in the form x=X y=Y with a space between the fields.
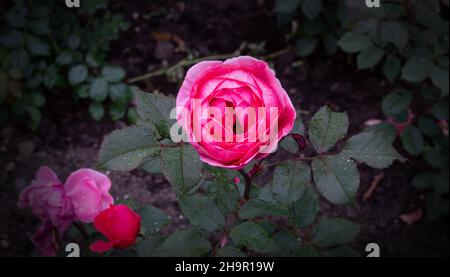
x=248 y=183
x=186 y=62
x=181 y=63
x=373 y=186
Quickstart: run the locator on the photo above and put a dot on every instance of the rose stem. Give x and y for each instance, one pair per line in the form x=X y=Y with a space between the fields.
x=248 y=183
x=82 y=230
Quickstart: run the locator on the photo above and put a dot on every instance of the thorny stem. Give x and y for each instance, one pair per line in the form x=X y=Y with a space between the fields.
x=248 y=183
x=186 y=62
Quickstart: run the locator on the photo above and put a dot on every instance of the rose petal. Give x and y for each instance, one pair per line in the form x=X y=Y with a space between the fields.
x=100 y=246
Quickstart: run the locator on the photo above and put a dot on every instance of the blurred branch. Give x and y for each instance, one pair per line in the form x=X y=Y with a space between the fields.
x=187 y=62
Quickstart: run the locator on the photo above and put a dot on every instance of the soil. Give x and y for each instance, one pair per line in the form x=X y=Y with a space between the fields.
x=68 y=139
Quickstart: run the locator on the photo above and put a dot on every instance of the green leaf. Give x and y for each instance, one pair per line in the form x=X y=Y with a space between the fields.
x=337 y=178
x=439 y=76
x=118 y=92
x=202 y=213
x=229 y=251
x=147 y=247
x=258 y=208
x=412 y=140
x=305 y=46
x=311 y=8
x=37 y=46
x=153 y=219
x=288 y=143
x=73 y=41
x=430 y=92
x=40 y=26
x=371 y=148
x=440 y=109
x=93 y=60
x=287 y=244
x=64 y=58
x=369 y=57
x=182 y=168
x=250 y=235
x=99 y=89
x=155 y=108
x=417 y=69
x=12 y=39
x=113 y=74
x=428 y=126
x=392 y=67
x=96 y=110
x=152 y=165
x=20 y=60
x=304 y=210
x=83 y=91
x=125 y=149
x=333 y=231
x=186 y=243
x=225 y=196
x=78 y=74
x=16 y=19
x=117 y=110
x=352 y=43
x=289 y=180
x=286 y=6
x=327 y=128
x=396 y=102
x=395 y=32
x=385 y=129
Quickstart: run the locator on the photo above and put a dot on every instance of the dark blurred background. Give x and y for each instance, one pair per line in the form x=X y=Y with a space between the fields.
x=65 y=77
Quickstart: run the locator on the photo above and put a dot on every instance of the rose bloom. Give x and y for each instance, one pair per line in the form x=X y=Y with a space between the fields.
x=120 y=225
x=211 y=89
x=88 y=191
x=46 y=198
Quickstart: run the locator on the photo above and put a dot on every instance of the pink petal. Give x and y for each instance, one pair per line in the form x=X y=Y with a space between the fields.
x=85 y=198
x=46 y=174
x=101 y=246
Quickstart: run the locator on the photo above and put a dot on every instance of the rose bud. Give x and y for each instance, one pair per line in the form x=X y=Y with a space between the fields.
x=120 y=225
x=234 y=111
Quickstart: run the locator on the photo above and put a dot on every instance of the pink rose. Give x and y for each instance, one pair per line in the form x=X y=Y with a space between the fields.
x=244 y=84
x=46 y=198
x=88 y=190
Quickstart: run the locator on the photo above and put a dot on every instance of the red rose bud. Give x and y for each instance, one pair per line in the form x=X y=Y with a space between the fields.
x=120 y=225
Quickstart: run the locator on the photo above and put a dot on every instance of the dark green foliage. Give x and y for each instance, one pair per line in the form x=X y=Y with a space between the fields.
x=47 y=48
